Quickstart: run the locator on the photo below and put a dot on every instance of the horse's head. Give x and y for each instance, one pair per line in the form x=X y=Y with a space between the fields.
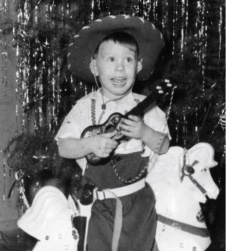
x=195 y=166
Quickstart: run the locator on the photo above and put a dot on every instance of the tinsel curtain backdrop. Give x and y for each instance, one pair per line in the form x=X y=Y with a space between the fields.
x=193 y=59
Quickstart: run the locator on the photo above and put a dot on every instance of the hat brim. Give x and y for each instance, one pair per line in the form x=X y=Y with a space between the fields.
x=83 y=45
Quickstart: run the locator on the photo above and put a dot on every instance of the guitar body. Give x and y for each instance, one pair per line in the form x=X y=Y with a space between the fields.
x=109 y=126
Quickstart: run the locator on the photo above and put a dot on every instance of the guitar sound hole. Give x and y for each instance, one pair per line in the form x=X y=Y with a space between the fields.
x=110 y=129
x=118 y=135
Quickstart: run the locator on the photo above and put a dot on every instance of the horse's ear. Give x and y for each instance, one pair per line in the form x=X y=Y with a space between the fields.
x=203 y=153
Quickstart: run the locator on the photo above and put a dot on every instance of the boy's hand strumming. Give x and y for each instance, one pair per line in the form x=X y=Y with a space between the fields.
x=103 y=144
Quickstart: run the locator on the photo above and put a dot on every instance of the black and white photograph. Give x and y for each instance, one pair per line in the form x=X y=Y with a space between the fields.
x=112 y=125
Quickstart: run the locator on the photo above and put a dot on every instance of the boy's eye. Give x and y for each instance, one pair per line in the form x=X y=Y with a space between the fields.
x=129 y=59
x=110 y=59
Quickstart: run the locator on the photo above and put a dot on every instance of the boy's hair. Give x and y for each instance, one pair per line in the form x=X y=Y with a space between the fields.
x=120 y=37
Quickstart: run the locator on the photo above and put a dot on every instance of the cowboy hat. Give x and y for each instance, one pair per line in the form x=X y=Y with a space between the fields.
x=83 y=45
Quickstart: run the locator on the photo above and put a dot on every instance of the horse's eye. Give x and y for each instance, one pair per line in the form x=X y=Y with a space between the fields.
x=189 y=169
x=204 y=170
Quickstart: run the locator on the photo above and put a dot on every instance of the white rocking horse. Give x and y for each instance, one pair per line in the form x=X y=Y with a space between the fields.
x=181 y=180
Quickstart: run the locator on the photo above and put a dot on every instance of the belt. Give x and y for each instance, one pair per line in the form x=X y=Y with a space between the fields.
x=119 y=192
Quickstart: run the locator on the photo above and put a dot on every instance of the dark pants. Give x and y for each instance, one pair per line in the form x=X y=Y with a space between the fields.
x=139 y=215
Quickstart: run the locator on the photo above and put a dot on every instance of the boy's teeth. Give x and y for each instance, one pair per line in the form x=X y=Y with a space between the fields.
x=118 y=79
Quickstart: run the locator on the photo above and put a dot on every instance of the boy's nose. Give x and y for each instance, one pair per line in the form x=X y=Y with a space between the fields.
x=119 y=66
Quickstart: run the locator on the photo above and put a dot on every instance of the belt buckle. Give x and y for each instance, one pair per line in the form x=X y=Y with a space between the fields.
x=99 y=193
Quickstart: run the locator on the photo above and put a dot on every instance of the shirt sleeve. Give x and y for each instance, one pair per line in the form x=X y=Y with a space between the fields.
x=156 y=119
x=74 y=123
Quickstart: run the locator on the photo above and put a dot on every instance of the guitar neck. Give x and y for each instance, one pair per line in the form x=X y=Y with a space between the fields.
x=148 y=102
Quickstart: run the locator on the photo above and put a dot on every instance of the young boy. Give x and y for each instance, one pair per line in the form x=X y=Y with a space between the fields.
x=113 y=52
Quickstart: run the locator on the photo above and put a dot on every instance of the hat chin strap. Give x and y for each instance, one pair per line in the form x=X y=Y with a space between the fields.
x=96 y=81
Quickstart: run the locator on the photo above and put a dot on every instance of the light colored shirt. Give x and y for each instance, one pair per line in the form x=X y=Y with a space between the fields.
x=80 y=117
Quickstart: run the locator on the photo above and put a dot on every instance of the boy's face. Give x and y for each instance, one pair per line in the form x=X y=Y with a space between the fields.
x=117 y=67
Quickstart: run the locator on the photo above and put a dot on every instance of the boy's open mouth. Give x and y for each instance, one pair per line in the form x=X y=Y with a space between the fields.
x=118 y=80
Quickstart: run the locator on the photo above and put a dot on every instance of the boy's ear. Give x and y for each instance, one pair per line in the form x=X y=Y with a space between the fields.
x=93 y=67
x=139 y=65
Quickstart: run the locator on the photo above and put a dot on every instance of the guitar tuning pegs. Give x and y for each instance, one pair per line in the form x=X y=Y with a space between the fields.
x=167 y=81
x=159 y=88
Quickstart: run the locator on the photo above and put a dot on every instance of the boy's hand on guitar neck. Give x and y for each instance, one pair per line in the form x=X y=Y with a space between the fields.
x=103 y=144
x=133 y=127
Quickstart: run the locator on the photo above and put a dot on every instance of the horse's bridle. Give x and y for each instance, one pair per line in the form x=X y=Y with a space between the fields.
x=188 y=170
x=184 y=226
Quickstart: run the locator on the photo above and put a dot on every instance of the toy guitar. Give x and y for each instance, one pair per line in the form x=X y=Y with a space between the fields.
x=159 y=96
